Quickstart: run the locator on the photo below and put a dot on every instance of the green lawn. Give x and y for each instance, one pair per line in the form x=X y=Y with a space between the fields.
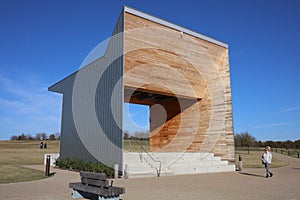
x=289 y=152
x=13 y=154
x=253 y=160
x=132 y=146
x=16 y=173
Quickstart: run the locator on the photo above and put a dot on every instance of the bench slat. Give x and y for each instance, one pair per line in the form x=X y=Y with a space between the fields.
x=93 y=175
x=95 y=182
x=105 y=191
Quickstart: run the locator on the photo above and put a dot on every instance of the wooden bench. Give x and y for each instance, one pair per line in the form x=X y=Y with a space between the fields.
x=95 y=186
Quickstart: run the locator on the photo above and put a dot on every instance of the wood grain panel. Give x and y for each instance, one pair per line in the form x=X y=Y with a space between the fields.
x=165 y=61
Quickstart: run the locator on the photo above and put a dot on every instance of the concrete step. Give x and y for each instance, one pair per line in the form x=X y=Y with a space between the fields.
x=174 y=163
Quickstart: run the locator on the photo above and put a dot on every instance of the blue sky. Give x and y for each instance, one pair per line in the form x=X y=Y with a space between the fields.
x=41 y=42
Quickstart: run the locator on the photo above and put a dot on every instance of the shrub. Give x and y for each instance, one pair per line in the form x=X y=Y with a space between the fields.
x=79 y=165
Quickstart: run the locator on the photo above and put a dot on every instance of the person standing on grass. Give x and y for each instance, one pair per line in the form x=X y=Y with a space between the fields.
x=266 y=160
x=45 y=145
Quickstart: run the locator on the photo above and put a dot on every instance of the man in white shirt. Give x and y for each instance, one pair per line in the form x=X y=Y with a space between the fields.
x=266 y=160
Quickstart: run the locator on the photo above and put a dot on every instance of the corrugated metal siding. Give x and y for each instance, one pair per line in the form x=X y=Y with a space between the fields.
x=93 y=107
x=70 y=144
x=59 y=86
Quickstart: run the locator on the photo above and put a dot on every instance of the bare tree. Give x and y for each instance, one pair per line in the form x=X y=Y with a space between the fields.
x=29 y=137
x=57 y=135
x=44 y=136
x=126 y=135
x=38 y=136
x=297 y=144
x=22 y=137
x=13 y=137
x=142 y=135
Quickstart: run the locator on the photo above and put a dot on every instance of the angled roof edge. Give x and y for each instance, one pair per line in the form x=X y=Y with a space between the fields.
x=174 y=26
x=52 y=87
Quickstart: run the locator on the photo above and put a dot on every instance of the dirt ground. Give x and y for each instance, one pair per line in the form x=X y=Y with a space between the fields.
x=250 y=184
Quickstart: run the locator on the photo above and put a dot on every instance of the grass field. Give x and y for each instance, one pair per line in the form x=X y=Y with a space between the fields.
x=253 y=160
x=14 y=154
x=132 y=146
x=288 y=152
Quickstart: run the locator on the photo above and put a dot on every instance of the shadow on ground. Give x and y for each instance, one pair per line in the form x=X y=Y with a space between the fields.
x=250 y=174
x=295 y=168
x=52 y=174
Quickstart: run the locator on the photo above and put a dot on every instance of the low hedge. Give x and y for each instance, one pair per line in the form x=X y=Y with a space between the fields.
x=79 y=165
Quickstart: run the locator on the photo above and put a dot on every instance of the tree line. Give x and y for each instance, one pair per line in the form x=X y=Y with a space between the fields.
x=241 y=139
x=247 y=140
x=137 y=135
x=38 y=136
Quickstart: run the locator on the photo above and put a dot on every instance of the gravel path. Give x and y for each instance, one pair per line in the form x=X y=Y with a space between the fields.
x=250 y=184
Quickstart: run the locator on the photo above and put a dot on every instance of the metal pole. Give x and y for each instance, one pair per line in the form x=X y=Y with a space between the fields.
x=240 y=163
x=48 y=166
x=116 y=171
x=126 y=171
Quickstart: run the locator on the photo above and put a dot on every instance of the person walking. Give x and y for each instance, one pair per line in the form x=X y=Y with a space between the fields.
x=266 y=160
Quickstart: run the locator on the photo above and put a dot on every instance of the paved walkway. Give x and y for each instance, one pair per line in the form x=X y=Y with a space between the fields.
x=250 y=184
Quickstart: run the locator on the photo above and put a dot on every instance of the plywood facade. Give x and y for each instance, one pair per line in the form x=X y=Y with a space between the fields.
x=162 y=60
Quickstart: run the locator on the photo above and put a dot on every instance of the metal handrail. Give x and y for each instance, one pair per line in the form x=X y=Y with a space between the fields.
x=158 y=170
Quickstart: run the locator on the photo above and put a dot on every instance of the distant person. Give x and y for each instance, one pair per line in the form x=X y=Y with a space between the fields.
x=45 y=145
x=266 y=160
x=41 y=145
